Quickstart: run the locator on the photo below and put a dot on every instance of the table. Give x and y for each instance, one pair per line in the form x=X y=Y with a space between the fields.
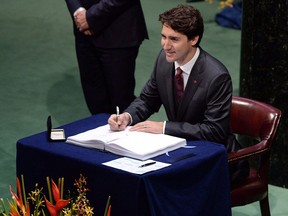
x=198 y=185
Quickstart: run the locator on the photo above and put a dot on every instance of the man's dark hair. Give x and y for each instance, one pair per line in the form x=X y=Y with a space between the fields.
x=184 y=19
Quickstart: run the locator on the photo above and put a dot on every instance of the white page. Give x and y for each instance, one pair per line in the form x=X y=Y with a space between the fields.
x=90 y=138
x=144 y=143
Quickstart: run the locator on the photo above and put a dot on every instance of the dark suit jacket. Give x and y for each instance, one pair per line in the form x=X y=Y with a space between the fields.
x=114 y=23
x=204 y=113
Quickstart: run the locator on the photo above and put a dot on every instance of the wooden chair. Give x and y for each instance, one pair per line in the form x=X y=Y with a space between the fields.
x=260 y=121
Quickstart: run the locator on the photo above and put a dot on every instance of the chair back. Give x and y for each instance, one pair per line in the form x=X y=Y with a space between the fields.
x=254 y=119
x=259 y=121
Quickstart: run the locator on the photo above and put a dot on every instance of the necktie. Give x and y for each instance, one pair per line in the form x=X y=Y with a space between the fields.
x=179 y=85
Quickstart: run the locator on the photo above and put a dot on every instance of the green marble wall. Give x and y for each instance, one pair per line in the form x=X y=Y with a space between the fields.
x=264 y=70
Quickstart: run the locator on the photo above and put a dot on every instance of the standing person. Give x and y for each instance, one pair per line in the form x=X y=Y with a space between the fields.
x=108 y=34
x=203 y=112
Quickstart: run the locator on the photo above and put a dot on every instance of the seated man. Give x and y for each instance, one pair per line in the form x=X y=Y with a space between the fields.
x=197 y=98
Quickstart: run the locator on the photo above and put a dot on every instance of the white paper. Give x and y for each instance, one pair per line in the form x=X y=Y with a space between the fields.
x=92 y=137
x=133 y=144
x=133 y=165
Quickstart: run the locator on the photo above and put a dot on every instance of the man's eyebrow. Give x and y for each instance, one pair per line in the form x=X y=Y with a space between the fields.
x=173 y=37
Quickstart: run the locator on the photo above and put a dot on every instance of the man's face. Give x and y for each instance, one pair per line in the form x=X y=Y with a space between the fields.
x=177 y=46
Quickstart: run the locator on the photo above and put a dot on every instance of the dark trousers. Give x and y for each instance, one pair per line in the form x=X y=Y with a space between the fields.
x=107 y=76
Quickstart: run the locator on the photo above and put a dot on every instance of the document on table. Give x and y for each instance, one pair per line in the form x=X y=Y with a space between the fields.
x=133 y=144
x=136 y=166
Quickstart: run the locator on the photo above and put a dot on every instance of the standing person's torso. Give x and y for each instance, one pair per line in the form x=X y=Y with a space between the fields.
x=116 y=26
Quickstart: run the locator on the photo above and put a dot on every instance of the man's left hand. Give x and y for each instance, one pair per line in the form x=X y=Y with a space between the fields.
x=149 y=127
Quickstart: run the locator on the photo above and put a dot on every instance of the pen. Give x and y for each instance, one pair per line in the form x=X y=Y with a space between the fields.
x=147 y=164
x=117 y=114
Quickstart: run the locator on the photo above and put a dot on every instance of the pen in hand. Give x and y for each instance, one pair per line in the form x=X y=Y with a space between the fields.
x=117 y=114
x=147 y=164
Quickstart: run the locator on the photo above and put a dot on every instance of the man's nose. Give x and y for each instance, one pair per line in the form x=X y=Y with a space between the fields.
x=166 y=44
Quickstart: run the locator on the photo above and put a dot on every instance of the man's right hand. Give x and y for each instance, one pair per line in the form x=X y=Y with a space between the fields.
x=119 y=123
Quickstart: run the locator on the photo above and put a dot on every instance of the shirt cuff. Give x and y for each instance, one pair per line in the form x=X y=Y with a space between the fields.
x=164 y=125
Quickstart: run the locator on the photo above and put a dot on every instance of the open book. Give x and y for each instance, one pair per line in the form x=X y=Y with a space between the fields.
x=138 y=145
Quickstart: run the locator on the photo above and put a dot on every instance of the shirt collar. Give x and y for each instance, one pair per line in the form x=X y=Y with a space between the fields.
x=187 y=68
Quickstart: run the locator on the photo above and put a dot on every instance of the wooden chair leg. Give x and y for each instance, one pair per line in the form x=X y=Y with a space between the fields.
x=264 y=206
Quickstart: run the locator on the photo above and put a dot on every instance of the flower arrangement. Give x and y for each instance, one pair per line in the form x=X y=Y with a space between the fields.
x=55 y=204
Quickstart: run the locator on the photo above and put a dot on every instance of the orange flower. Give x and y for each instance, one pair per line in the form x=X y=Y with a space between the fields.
x=54 y=210
x=109 y=211
x=24 y=207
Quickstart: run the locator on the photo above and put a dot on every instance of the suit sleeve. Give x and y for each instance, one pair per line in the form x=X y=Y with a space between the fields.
x=215 y=125
x=148 y=102
x=103 y=13
x=73 y=5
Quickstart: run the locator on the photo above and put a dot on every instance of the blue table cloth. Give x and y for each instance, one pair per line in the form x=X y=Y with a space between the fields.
x=195 y=186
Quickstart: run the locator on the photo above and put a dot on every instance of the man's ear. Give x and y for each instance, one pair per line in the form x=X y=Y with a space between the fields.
x=194 y=40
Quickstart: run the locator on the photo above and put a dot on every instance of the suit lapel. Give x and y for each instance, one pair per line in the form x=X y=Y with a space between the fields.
x=169 y=78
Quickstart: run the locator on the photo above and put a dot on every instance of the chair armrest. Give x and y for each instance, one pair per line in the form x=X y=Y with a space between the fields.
x=248 y=152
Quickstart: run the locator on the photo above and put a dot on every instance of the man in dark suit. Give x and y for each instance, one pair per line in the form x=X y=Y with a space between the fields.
x=108 y=34
x=203 y=112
